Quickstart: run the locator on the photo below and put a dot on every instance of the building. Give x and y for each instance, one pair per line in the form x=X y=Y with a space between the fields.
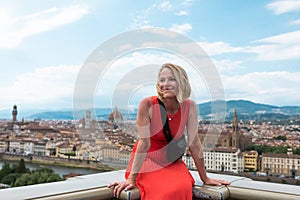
x=14 y=114
x=187 y=158
x=250 y=161
x=115 y=118
x=39 y=148
x=228 y=137
x=114 y=156
x=28 y=147
x=15 y=147
x=88 y=119
x=222 y=159
x=14 y=125
x=4 y=145
x=281 y=164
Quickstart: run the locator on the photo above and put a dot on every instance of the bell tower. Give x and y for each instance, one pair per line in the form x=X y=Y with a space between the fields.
x=14 y=114
x=235 y=131
x=88 y=119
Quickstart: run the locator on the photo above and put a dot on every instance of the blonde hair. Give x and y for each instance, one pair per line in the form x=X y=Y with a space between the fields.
x=184 y=87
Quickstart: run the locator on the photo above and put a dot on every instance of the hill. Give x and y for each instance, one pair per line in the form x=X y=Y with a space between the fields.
x=245 y=109
x=249 y=110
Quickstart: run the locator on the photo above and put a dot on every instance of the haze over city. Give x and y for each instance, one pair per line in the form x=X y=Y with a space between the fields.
x=254 y=45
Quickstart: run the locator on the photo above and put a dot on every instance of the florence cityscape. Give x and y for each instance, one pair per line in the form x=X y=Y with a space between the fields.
x=266 y=148
x=73 y=73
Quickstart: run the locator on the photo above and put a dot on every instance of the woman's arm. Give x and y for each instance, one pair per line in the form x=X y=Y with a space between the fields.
x=143 y=125
x=195 y=147
x=194 y=142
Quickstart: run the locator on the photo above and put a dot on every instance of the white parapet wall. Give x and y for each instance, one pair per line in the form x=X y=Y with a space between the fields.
x=94 y=187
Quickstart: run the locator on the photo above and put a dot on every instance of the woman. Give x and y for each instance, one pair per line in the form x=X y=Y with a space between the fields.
x=148 y=169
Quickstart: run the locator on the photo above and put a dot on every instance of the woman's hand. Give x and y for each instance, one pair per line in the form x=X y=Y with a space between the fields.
x=124 y=185
x=218 y=182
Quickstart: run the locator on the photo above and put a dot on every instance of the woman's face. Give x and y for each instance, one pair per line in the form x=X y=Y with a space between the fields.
x=167 y=83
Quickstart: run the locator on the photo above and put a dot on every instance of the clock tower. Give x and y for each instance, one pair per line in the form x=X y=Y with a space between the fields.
x=14 y=114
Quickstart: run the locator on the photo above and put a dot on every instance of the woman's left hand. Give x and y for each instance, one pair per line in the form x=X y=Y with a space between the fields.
x=119 y=187
x=218 y=182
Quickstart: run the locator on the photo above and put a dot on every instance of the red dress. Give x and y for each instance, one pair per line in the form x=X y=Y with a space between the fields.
x=158 y=179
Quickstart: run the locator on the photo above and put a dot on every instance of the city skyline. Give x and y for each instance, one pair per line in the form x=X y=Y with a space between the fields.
x=254 y=45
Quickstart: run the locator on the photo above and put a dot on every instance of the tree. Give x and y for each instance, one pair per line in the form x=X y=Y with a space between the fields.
x=19 y=175
x=280 y=137
x=21 y=168
x=267 y=149
x=6 y=169
x=44 y=170
x=297 y=151
x=21 y=181
x=10 y=178
x=45 y=175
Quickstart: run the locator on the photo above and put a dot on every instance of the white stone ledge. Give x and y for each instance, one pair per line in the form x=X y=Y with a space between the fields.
x=93 y=187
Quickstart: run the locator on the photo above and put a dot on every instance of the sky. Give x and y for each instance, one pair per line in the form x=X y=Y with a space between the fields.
x=253 y=44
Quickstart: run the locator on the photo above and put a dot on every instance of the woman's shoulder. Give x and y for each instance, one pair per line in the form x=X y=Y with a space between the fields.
x=147 y=101
x=190 y=105
x=189 y=102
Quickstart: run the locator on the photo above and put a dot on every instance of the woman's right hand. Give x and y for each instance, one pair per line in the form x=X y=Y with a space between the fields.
x=128 y=184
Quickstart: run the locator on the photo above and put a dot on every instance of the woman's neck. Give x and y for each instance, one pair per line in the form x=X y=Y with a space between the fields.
x=172 y=105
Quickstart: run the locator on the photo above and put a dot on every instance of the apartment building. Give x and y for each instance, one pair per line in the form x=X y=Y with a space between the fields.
x=3 y=144
x=114 y=156
x=39 y=149
x=281 y=164
x=222 y=159
x=219 y=159
x=250 y=160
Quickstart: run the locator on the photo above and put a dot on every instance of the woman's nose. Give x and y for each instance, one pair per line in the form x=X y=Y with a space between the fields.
x=166 y=83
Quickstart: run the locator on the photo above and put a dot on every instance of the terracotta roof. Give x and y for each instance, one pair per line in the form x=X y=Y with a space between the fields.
x=115 y=115
x=281 y=155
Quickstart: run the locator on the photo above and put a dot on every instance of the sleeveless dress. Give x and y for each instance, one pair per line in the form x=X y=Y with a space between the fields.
x=159 y=179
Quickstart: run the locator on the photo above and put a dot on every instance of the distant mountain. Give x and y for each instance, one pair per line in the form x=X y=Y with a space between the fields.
x=99 y=113
x=249 y=110
x=61 y=115
x=245 y=110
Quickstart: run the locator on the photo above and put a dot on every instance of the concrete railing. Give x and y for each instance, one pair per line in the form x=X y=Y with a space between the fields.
x=93 y=187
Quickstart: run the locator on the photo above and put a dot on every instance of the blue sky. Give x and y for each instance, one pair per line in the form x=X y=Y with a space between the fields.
x=254 y=45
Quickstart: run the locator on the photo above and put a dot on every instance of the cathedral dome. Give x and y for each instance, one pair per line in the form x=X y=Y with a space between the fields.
x=115 y=116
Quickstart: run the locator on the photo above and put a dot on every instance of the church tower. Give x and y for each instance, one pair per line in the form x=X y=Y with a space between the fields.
x=235 y=131
x=14 y=114
x=88 y=119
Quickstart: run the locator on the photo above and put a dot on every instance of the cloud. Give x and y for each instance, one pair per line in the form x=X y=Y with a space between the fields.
x=284 y=6
x=227 y=65
x=217 y=48
x=43 y=87
x=17 y=29
x=181 y=13
x=181 y=28
x=295 y=22
x=264 y=87
x=178 y=6
x=144 y=17
x=279 y=47
x=165 y=6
